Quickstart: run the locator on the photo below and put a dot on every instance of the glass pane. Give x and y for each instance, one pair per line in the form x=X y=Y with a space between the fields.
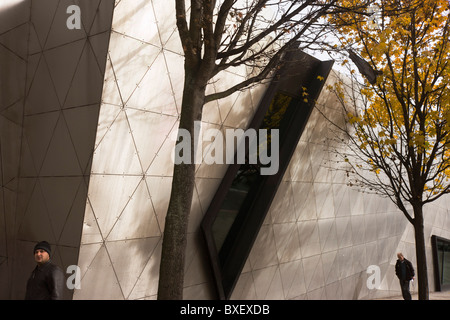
x=231 y=206
x=443 y=254
x=446 y=264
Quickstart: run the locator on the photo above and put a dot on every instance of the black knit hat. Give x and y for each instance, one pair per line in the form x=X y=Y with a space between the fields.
x=44 y=245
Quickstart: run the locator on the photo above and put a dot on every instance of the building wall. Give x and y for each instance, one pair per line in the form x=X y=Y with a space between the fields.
x=132 y=168
x=14 y=16
x=90 y=119
x=59 y=80
x=321 y=235
x=319 y=238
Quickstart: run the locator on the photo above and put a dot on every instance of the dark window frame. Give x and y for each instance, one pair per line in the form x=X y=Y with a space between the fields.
x=299 y=70
x=436 y=268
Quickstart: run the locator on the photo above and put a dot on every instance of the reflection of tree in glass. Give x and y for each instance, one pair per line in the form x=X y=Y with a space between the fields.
x=276 y=111
x=272 y=120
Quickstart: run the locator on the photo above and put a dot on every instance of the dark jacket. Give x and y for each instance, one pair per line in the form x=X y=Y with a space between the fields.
x=408 y=271
x=46 y=283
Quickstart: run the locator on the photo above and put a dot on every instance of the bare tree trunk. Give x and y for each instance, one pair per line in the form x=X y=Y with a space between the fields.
x=422 y=273
x=171 y=274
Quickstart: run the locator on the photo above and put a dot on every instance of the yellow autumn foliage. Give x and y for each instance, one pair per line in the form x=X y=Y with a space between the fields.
x=408 y=109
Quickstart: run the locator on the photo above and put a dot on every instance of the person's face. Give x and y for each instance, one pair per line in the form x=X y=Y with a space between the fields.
x=400 y=256
x=41 y=256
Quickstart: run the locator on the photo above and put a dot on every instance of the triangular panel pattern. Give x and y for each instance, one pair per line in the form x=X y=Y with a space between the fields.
x=338 y=233
x=131 y=172
x=54 y=100
x=319 y=236
x=13 y=80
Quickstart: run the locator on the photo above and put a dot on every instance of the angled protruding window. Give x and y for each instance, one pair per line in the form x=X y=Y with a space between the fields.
x=238 y=209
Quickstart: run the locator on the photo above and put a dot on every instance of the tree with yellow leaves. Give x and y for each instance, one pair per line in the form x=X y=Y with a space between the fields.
x=398 y=123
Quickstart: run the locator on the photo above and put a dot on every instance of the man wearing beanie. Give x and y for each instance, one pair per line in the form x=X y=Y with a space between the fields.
x=47 y=279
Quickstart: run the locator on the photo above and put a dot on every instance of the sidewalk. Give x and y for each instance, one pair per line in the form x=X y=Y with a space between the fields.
x=445 y=295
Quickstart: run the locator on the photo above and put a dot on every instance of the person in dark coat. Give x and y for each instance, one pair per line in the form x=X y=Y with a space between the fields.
x=405 y=273
x=47 y=279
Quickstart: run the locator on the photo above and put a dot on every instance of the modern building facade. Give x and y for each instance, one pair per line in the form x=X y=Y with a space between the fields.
x=88 y=118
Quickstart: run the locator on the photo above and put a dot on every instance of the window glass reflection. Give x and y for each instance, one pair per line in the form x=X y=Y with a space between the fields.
x=239 y=195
